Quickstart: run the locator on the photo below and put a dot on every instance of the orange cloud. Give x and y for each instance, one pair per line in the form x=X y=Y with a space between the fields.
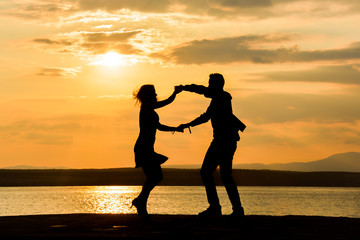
x=244 y=49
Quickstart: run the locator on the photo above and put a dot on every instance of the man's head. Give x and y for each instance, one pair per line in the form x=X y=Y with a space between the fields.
x=216 y=82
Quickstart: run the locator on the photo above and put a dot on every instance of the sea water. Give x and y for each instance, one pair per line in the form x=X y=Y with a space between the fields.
x=187 y=200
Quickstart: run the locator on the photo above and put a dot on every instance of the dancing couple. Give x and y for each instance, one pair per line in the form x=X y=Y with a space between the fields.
x=220 y=153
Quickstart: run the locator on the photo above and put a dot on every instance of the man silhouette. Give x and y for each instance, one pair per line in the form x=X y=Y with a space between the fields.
x=223 y=146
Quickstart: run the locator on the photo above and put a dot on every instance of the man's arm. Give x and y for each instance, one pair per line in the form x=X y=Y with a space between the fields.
x=199 y=89
x=203 y=118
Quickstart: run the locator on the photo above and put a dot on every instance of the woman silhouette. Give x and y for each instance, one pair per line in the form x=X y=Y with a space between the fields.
x=145 y=156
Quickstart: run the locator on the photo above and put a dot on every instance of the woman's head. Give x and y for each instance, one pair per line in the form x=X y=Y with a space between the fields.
x=146 y=94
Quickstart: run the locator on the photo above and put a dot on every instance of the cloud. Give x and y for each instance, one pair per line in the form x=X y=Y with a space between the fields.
x=109 y=36
x=300 y=134
x=281 y=108
x=99 y=48
x=39 y=132
x=54 y=10
x=225 y=8
x=59 y=72
x=52 y=42
x=49 y=139
x=116 y=97
x=92 y=42
x=58 y=130
x=101 y=42
x=249 y=49
x=32 y=126
x=113 y=5
x=346 y=74
x=38 y=9
x=220 y=51
x=346 y=134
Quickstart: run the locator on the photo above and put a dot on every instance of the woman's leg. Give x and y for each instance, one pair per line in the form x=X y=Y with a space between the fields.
x=154 y=176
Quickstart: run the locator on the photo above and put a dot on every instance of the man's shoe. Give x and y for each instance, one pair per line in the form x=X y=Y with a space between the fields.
x=238 y=212
x=211 y=211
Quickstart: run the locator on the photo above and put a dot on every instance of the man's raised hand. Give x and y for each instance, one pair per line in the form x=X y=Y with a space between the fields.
x=178 y=89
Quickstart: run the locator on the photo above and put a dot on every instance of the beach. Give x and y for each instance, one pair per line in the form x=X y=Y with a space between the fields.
x=130 y=226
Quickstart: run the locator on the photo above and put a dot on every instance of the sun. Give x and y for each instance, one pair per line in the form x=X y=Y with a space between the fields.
x=109 y=59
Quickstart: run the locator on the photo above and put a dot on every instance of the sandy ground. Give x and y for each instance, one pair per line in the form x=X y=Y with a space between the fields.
x=129 y=226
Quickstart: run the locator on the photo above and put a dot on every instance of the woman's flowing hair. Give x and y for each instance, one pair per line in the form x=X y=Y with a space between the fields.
x=144 y=94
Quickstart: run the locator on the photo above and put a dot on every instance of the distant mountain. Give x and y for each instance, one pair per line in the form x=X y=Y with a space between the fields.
x=33 y=167
x=342 y=162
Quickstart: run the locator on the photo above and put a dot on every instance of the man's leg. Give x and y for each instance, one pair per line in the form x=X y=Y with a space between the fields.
x=228 y=150
x=209 y=166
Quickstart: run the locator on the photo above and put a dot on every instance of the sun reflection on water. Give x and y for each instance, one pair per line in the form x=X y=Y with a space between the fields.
x=109 y=199
x=188 y=200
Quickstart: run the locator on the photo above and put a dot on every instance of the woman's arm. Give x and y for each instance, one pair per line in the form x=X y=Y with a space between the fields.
x=165 y=102
x=168 y=128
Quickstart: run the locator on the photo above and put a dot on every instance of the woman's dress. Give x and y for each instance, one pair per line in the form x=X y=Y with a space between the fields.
x=144 y=146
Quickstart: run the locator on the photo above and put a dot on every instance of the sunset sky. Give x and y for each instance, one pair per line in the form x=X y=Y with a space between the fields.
x=68 y=69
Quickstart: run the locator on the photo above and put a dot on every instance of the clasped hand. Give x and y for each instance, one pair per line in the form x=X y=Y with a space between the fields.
x=178 y=89
x=181 y=127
